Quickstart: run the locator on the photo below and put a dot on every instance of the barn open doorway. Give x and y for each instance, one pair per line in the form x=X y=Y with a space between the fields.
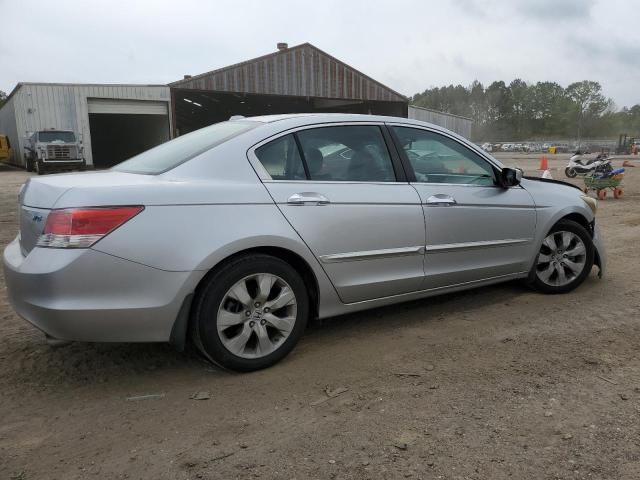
x=120 y=129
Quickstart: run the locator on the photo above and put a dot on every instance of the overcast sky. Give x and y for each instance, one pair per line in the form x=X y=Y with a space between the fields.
x=407 y=45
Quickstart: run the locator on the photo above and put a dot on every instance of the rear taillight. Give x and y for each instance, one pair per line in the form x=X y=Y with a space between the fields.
x=82 y=227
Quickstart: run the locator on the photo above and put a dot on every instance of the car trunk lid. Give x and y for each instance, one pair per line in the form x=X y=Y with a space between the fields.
x=41 y=194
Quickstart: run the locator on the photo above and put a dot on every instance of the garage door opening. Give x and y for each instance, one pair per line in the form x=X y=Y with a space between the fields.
x=120 y=129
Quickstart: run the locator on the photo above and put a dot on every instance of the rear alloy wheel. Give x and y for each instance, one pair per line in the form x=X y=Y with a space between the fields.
x=564 y=260
x=251 y=313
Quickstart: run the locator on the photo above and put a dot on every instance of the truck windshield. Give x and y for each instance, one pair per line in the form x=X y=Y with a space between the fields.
x=171 y=154
x=52 y=136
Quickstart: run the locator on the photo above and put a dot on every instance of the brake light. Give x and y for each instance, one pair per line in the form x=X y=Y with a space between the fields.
x=82 y=227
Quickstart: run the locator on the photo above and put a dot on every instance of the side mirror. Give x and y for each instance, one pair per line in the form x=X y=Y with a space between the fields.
x=510 y=177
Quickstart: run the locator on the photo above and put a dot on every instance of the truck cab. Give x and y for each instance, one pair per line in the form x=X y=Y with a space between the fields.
x=53 y=150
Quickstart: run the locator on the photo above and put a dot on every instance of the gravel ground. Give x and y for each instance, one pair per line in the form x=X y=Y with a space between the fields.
x=498 y=382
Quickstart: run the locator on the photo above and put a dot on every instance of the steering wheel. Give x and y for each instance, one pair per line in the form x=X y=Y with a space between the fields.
x=412 y=155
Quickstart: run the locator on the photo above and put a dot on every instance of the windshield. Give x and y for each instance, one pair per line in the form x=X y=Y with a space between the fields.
x=53 y=136
x=171 y=154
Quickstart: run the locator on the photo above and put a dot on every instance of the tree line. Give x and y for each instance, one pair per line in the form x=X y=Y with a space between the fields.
x=542 y=110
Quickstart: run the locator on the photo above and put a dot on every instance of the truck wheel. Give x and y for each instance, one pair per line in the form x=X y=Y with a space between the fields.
x=40 y=170
x=570 y=172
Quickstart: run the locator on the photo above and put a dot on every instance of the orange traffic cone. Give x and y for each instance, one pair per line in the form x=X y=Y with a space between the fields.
x=627 y=163
x=544 y=163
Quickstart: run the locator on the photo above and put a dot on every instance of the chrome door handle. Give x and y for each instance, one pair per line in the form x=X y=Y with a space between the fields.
x=308 y=198
x=440 y=200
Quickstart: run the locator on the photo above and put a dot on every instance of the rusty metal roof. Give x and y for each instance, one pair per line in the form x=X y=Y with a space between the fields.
x=302 y=71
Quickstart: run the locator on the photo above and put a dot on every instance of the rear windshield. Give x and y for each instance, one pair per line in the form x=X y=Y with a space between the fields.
x=171 y=154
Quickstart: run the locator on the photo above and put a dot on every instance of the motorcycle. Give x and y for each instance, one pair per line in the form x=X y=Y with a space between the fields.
x=579 y=164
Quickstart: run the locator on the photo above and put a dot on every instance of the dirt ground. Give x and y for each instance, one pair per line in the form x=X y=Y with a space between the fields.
x=493 y=383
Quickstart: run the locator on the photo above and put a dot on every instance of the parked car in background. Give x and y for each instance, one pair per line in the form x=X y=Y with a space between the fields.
x=242 y=231
x=487 y=147
x=53 y=150
x=5 y=148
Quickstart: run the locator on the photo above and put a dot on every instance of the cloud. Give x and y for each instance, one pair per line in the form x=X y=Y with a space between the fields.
x=559 y=10
x=409 y=45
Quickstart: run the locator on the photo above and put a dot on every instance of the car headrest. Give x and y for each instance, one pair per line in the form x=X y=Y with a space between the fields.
x=314 y=159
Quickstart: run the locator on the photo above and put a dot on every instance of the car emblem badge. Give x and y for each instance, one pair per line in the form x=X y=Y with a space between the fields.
x=36 y=218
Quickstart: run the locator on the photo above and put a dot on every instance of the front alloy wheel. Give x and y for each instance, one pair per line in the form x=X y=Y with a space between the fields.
x=565 y=258
x=250 y=313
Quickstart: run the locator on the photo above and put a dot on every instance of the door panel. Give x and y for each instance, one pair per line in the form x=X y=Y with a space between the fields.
x=475 y=230
x=369 y=238
x=486 y=233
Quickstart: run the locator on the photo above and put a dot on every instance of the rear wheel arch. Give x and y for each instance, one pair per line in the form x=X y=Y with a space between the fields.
x=289 y=271
x=296 y=261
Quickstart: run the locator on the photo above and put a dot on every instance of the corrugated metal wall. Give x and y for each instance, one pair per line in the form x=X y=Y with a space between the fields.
x=460 y=125
x=40 y=106
x=304 y=71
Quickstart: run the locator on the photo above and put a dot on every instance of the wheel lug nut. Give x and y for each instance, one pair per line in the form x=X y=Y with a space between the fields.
x=262 y=322
x=257 y=304
x=248 y=313
x=267 y=310
x=252 y=323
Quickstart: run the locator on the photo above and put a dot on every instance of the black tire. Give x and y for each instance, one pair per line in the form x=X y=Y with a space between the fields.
x=214 y=290
x=570 y=172
x=589 y=257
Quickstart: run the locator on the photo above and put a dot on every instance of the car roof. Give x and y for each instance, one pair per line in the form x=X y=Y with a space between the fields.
x=313 y=118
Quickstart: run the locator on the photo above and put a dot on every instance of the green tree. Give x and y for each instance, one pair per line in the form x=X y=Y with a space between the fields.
x=588 y=102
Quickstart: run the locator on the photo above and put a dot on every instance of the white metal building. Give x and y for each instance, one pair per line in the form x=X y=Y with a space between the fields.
x=114 y=122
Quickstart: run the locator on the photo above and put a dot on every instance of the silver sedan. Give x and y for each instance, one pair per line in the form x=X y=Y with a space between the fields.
x=235 y=235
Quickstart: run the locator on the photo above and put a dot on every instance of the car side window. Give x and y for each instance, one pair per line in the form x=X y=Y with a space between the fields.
x=350 y=153
x=281 y=159
x=436 y=158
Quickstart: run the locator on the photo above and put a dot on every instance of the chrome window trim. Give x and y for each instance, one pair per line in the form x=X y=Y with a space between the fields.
x=334 y=182
x=372 y=254
x=266 y=178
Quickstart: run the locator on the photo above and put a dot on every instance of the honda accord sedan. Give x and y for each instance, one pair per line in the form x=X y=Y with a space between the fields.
x=235 y=235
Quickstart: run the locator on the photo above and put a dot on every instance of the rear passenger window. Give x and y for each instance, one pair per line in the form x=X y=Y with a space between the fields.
x=349 y=154
x=281 y=159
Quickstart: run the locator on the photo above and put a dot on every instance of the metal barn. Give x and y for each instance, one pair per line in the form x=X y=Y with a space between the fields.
x=299 y=79
x=114 y=122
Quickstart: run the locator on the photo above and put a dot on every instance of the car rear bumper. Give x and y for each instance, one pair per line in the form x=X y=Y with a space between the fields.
x=86 y=295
